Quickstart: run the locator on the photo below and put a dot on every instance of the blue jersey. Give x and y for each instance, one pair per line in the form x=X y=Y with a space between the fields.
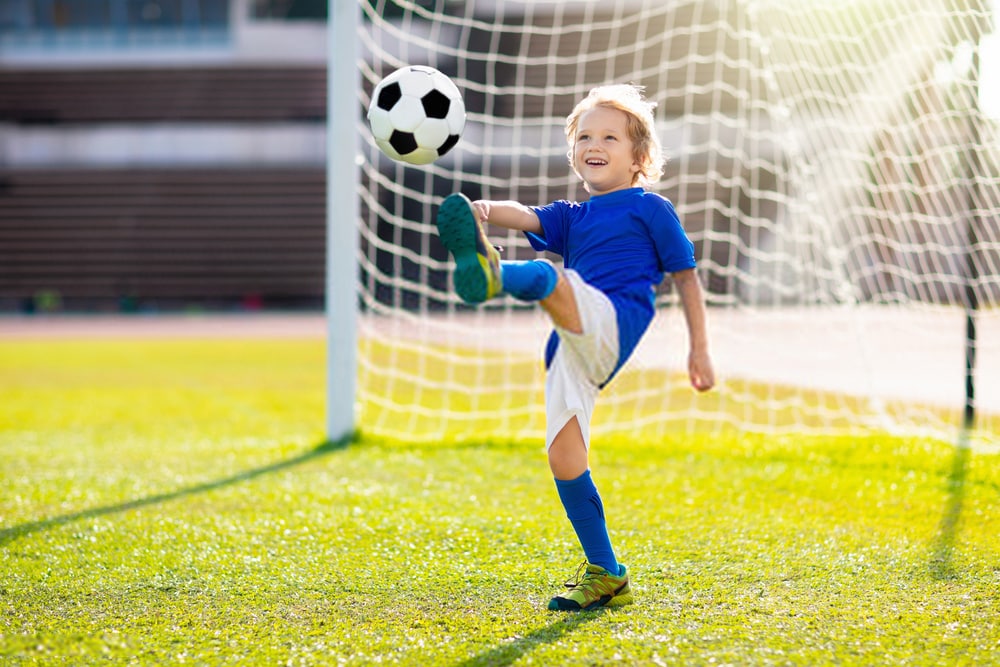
x=621 y=243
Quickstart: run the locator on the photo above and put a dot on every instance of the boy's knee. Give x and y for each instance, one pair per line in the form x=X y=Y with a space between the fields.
x=561 y=305
x=568 y=452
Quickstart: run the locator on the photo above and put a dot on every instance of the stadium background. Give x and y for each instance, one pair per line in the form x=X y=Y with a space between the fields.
x=162 y=155
x=169 y=154
x=165 y=156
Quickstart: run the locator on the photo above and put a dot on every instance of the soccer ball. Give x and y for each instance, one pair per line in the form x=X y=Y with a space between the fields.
x=416 y=114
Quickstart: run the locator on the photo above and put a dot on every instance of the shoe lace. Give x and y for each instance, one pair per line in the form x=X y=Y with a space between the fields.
x=578 y=577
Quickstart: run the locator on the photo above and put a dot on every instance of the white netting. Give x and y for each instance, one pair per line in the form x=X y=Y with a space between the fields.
x=831 y=161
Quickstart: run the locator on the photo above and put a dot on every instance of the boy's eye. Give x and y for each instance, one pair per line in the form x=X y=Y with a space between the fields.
x=611 y=137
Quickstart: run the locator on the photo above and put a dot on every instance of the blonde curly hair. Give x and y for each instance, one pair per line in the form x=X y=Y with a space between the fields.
x=640 y=125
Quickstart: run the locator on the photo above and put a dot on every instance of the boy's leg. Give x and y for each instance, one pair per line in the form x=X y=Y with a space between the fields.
x=584 y=359
x=539 y=280
x=604 y=582
x=579 y=496
x=479 y=273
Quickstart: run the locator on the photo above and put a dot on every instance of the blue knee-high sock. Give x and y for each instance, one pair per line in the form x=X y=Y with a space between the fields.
x=528 y=281
x=586 y=512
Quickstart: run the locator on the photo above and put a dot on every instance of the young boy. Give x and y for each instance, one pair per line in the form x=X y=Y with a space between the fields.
x=615 y=248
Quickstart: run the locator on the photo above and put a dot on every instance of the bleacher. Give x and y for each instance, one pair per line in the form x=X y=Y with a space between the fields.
x=154 y=236
x=166 y=238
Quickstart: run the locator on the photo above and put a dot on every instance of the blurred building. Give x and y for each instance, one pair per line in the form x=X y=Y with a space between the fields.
x=162 y=154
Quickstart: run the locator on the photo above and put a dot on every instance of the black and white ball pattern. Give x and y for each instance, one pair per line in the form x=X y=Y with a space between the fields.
x=416 y=114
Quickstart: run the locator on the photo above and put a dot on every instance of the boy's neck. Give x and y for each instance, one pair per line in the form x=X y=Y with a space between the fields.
x=612 y=191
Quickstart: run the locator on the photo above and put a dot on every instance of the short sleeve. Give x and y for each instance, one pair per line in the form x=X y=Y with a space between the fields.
x=674 y=249
x=555 y=219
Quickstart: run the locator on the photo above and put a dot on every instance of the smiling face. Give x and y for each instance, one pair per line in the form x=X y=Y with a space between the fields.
x=603 y=152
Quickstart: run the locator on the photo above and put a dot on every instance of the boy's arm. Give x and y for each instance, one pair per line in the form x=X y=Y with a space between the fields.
x=693 y=302
x=509 y=214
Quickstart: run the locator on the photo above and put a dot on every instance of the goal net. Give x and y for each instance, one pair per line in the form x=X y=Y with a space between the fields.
x=837 y=165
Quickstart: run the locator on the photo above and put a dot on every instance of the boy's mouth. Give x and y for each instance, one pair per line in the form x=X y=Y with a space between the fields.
x=595 y=162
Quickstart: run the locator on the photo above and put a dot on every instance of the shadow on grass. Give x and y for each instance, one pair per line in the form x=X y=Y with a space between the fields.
x=508 y=653
x=944 y=543
x=14 y=532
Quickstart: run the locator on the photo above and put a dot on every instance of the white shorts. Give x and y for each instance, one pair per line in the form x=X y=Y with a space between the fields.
x=582 y=363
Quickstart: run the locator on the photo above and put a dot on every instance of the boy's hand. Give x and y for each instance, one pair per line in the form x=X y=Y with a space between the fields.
x=700 y=371
x=482 y=209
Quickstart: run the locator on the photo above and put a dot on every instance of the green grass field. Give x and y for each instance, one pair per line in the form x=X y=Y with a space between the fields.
x=173 y=503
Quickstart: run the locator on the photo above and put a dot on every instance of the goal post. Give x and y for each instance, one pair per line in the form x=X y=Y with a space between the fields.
x=845 y=217
x=342 y=217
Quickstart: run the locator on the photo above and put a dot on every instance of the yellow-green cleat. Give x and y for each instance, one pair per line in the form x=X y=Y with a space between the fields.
x=596 y=588
x=477 y=262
